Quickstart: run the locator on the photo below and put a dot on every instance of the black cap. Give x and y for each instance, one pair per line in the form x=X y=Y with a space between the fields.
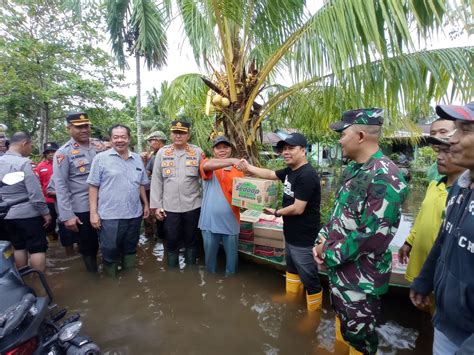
x=293 y=139
x=363 y=116
x=50 y=147
x=221 y=139
x=180 y=125
x=77 y=118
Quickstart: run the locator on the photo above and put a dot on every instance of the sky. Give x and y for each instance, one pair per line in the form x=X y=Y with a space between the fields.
x=181 y=60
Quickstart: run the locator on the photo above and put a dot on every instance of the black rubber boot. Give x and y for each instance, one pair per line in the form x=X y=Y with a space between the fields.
x=91 y=263
x=190 y=256
x=173 y=259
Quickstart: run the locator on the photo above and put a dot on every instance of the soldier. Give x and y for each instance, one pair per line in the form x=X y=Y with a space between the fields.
x=354 y=243
x=44 y=170
x=71 y=166
x=176 y=193
x=118 y=178
x=156 y=141
x=25 y=222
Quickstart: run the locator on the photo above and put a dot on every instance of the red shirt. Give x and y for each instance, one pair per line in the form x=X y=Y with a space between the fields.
x=44 y=170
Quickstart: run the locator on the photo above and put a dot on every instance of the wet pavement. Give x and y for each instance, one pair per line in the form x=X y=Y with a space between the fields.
x=156 y=311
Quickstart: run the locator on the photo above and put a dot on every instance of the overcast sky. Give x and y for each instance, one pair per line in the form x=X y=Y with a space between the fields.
x=181 y=60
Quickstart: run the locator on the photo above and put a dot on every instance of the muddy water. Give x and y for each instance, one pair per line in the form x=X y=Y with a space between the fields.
x=156 y=311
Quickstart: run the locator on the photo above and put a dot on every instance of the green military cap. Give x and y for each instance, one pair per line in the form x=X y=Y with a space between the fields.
x=364 y=116
x=159 y=135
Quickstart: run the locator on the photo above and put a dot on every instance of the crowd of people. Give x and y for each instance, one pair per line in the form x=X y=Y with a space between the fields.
x=95 y=196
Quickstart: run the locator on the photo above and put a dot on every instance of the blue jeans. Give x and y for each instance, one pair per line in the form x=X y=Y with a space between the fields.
x=299 y=260
x=442 y=345
x=211 y=247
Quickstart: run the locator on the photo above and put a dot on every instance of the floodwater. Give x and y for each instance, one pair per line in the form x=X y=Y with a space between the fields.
x=153 y=310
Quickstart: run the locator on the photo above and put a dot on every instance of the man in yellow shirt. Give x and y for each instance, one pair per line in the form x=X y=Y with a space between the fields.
x=423 y=234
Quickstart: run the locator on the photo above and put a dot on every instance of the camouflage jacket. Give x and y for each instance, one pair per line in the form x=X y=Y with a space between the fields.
x=364 y=220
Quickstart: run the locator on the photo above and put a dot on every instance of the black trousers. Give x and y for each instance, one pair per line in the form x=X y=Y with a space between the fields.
x=51 y=228
x=181 y=230
x=87 y=238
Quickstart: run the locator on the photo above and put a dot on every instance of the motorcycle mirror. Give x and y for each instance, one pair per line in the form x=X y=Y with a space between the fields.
x=13 y=178
x=70 y=331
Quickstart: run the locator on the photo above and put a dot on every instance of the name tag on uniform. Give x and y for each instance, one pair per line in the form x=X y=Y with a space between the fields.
x=139 y=169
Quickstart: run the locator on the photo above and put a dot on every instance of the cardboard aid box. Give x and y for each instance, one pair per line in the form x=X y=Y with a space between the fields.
x=269 y=233
x=254 y=194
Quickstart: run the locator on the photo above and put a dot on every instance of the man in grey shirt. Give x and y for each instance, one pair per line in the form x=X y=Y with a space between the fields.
x=25 y=221
x=117 y=181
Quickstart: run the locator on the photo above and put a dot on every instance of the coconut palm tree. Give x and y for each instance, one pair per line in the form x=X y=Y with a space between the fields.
x=138 y=27
x=304 y=66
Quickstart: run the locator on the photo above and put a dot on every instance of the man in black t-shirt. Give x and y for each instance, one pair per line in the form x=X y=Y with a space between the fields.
x=300 y=212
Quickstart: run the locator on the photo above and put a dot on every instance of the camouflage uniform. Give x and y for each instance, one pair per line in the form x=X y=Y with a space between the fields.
x=363 y=223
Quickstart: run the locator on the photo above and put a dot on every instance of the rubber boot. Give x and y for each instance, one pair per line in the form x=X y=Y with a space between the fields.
x=91 y=263
x=129 y=261
x=339 y=337
x=354 y=351
x=111 y=269
x=190 y=256
x=293 y=283
x=314 y=302
x=173 y=259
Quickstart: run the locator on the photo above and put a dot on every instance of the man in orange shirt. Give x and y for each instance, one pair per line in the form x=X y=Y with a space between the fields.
x=219 y=220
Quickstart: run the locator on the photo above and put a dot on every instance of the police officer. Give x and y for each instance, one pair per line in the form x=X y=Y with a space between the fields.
x=176 y=194
x=25 y=221
x=72 y=163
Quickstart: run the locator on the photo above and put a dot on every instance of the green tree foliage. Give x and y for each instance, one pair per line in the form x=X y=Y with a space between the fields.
x=51 y=63
x=347 y=54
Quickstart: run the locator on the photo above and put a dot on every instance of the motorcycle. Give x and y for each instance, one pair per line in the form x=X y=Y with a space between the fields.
x=27 y=322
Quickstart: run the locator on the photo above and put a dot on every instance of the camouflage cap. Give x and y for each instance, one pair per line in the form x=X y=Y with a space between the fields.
x=159 y=135
x=364 y=116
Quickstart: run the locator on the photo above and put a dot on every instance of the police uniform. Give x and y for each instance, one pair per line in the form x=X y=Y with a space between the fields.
x=71 y=165
x=24 y=221
x=175 y=187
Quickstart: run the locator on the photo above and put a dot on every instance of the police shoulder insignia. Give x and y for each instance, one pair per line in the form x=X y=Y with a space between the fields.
x=169 y=152
x=76 y=145
x=191 y=151
x=59 y=158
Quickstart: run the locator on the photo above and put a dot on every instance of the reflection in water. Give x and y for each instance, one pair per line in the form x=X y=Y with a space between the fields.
x=155 y=311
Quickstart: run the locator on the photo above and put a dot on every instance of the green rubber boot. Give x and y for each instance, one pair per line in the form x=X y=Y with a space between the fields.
x=190 y=256
x=91 y=263
x=173 y=259
x=111 y=269
x=129 y=261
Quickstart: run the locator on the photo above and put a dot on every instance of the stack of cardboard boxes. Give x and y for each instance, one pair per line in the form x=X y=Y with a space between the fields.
x=260 y=234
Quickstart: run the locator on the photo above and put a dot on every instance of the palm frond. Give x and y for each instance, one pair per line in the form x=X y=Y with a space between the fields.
x=116 y=17
x=151 y=42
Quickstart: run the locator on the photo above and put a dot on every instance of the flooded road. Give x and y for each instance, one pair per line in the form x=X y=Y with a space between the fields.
x=156 y=311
